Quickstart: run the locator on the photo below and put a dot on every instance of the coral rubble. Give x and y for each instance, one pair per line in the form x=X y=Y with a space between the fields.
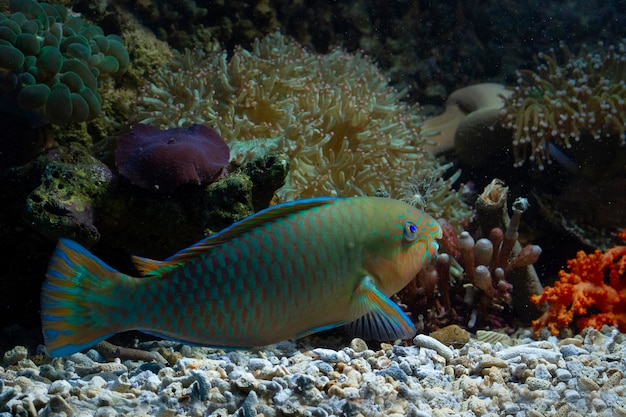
x=591 y=293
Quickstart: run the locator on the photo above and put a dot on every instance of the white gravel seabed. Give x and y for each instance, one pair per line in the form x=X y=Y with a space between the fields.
x=581 y=376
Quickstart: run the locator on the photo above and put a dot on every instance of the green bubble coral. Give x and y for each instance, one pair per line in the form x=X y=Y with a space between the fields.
x=50 y=63
x=345 y=130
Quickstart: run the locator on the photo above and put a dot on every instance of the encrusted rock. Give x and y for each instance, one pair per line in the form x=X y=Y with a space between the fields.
x=452 y=335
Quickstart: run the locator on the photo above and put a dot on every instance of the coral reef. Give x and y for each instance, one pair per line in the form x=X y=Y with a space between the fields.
x=186 y=23
x=161 y=160
x=591 y=293
x=345 y=130
x=50 y=63
x=491 y=215
x=594 y=220
x=431 y=47
x=475 y=279
x=565 y=100
x=143 y=221
x=438 y=47
x=146 y=53
x=21 y=143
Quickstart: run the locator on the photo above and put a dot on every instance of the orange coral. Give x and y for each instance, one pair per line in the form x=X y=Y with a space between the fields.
x=592 y=293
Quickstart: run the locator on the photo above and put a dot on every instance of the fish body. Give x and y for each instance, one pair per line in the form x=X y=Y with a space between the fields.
x=285 y=272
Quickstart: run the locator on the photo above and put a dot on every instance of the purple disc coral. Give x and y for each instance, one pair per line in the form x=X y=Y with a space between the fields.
x=164 y=159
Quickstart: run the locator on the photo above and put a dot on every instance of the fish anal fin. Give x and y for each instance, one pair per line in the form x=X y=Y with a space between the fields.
x=380 y=318
x=319 y=329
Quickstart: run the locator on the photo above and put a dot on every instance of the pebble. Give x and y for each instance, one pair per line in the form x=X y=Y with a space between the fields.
x=332 y=356
x=536 y=383
x=494 y=337
x=13 y=356
x=587 y=384
x=428 y=378
x=541 y=372
x=572 y=395
x=358 y=345
x=572 y=350
x=525 y=351
x=421 y=340
x=563 y=375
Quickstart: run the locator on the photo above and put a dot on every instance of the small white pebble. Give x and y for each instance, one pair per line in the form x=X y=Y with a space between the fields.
x=331 y=356
x=563 y=375
x=423 y=341
x=60 y=387
x=571 y=395
x=598 y=404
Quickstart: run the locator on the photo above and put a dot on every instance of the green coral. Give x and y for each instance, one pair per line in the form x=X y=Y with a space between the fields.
x=51 y=61
x=248 y=189
x=63 y=204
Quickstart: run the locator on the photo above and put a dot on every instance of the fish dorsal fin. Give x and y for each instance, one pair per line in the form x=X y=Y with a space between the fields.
x=381 y=318
x=151 y=267
x=146 y=266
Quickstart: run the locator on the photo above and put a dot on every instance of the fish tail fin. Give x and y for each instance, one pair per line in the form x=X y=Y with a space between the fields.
x=77 y=299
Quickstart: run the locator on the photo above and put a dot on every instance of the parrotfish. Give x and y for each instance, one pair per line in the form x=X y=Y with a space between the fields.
x=285 y=272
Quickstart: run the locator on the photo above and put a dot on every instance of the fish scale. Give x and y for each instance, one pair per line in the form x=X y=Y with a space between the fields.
x=285 y=272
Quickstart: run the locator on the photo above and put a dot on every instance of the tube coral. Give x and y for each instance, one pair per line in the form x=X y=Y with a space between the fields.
x=477 y=280
x=563 y=102
x=345 y=130
x=592 y=293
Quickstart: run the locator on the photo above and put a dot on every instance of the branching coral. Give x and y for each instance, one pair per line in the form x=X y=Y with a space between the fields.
x=562 y=102
x=344 y=128
x=592 y=293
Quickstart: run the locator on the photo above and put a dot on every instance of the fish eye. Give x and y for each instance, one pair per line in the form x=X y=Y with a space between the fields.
x=410 y=231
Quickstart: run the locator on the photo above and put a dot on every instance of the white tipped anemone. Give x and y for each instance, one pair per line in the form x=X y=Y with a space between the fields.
x=346 y=131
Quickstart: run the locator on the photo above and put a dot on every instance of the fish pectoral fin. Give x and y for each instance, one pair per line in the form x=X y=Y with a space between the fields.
x=381 y=319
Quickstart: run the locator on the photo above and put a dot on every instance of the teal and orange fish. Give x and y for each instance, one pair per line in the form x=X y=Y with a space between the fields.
x=284 y=272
